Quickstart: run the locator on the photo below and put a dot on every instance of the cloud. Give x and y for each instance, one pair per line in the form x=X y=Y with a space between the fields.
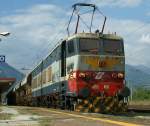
x=145 y=38
x=118 y=3
x=33 y=30
x=148 y=14
x=135 y=37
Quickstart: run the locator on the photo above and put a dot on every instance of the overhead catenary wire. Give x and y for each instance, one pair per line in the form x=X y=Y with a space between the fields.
x=55 y=37
x=84 y=22
x=100 y=12
x=137 y=29
x=53 y=43
x=38 y=57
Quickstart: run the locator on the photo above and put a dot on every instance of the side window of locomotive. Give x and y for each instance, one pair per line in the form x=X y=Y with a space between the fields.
x=71 y=48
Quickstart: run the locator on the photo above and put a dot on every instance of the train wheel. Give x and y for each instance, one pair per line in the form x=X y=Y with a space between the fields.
x=119 y=106
x=123 y=107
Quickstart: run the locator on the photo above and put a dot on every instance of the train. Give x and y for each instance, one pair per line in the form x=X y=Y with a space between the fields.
x=85 y=72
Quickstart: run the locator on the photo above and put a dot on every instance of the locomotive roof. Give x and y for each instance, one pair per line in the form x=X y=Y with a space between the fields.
x=95 y=35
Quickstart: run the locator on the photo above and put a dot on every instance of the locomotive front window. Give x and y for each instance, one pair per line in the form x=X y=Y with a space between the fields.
x=113 y=47
x=90 y=46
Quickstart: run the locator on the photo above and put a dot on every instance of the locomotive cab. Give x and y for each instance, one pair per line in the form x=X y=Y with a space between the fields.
x=95 y=65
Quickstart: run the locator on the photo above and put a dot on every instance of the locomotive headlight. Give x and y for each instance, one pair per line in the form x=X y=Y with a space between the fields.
x=120 y=75
x=106 y=87
x=72 y=75
x=114 y=75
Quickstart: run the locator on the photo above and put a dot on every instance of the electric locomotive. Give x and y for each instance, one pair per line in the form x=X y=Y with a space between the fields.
x=96 y=72
x=84 y=72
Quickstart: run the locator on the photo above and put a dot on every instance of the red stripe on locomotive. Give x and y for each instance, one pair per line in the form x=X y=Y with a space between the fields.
x=97 y=83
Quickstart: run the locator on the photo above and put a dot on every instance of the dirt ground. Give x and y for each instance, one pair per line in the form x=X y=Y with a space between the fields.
x=33 y=116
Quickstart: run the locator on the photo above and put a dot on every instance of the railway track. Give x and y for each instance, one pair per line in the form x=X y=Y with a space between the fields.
x=139 y=108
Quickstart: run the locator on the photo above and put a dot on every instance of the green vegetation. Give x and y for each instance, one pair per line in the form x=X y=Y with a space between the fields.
x=141 y=94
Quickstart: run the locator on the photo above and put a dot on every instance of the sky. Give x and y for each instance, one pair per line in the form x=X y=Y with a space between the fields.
x=37 y=25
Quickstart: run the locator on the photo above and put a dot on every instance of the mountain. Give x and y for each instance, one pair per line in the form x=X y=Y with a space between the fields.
x=136 y=75
x=144 y=68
